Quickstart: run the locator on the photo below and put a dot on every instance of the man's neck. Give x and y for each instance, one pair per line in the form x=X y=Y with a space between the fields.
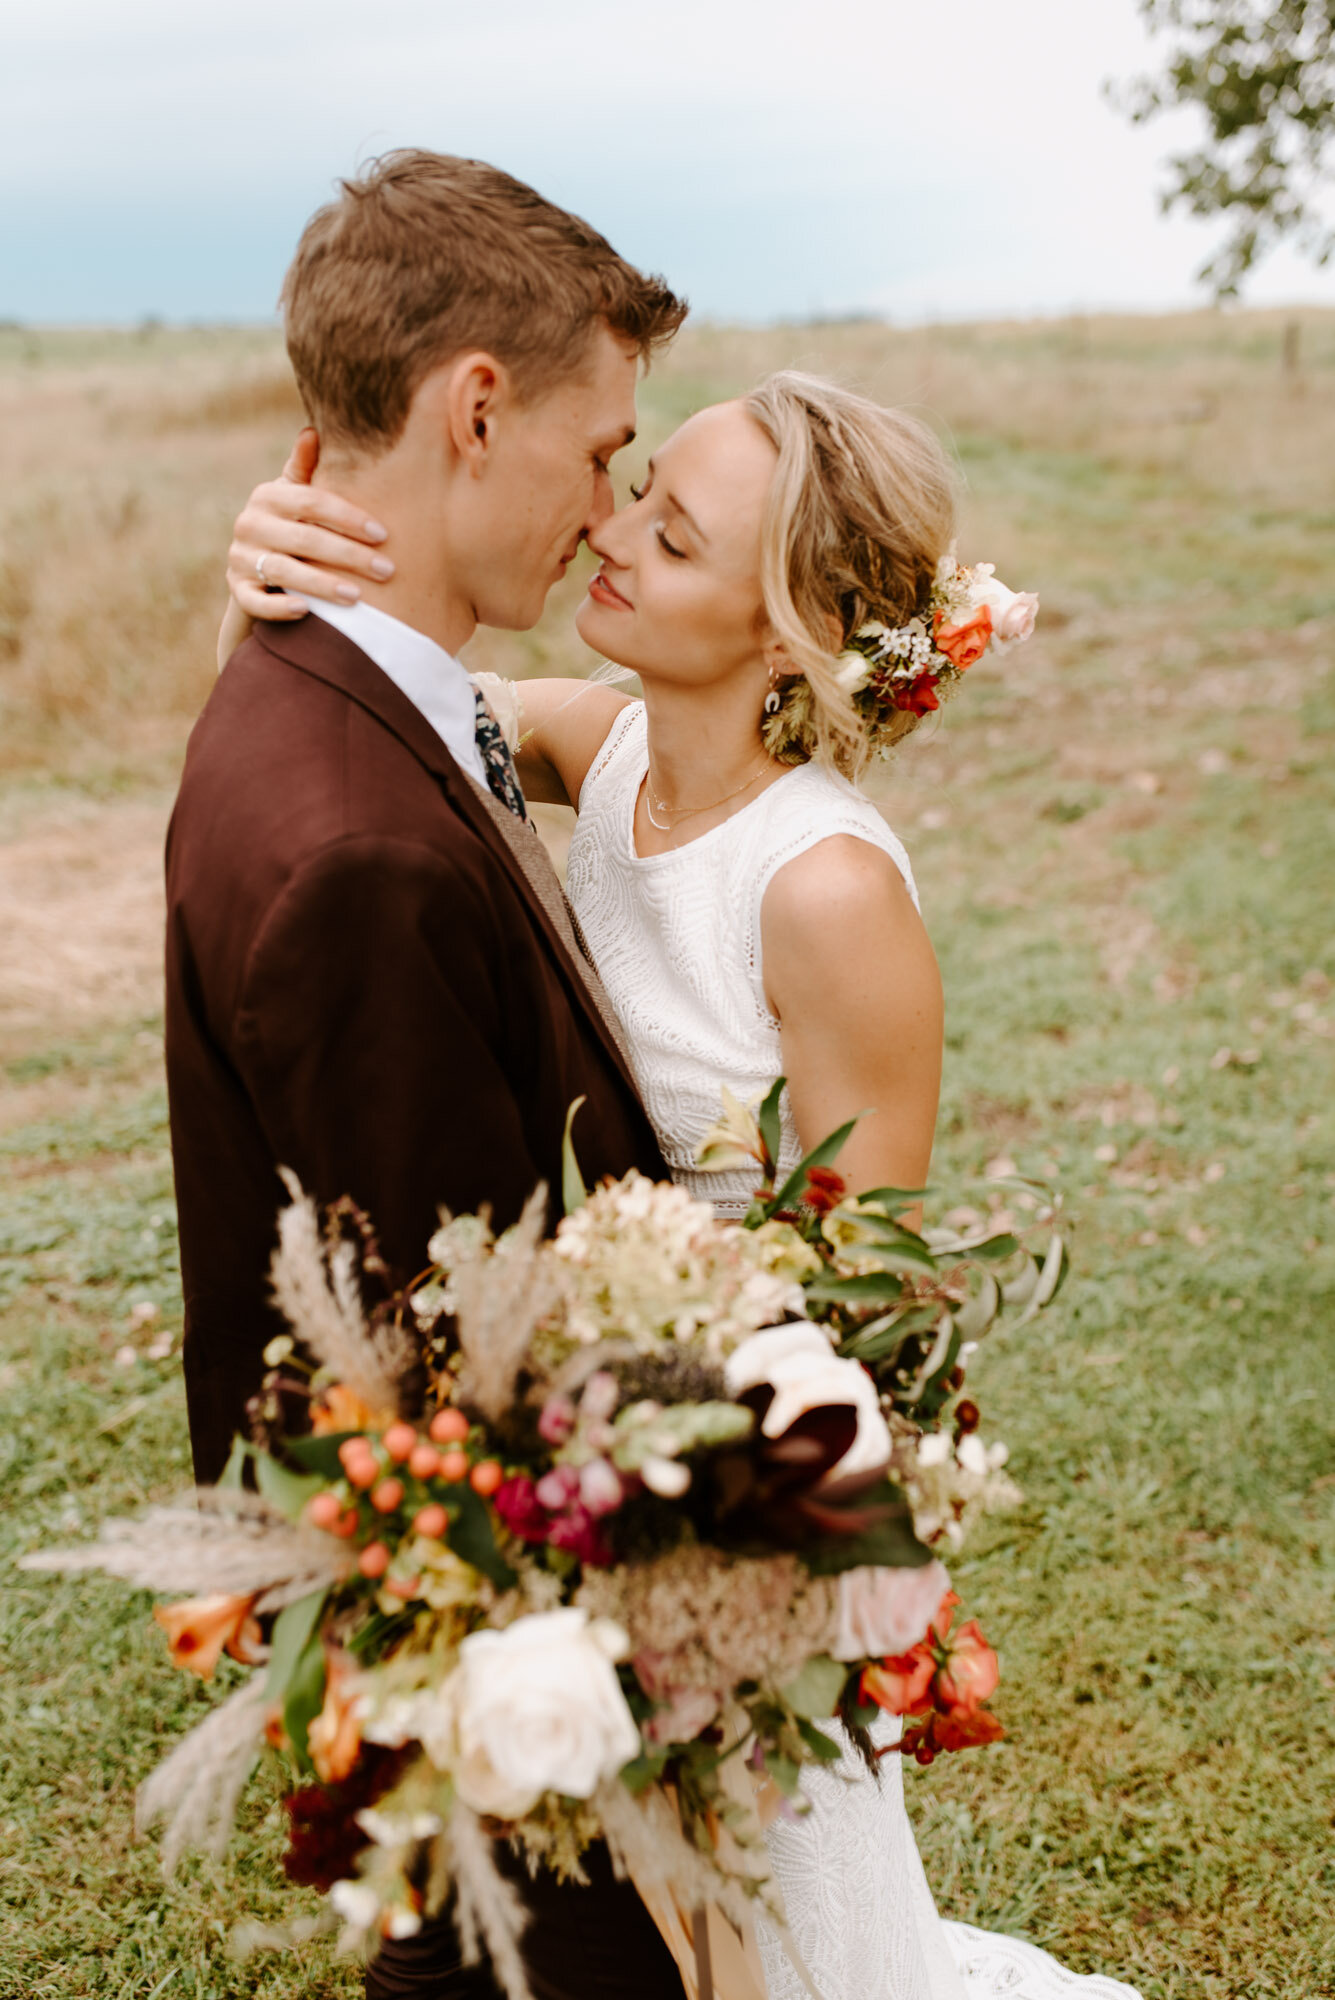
x=419 y=593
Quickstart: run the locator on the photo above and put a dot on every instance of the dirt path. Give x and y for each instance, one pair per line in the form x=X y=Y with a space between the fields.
x=81 y=908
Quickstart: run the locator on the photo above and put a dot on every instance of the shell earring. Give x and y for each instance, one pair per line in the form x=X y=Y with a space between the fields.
x=773 y=700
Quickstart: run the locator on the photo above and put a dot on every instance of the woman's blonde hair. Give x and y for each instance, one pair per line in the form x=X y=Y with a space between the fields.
x=860 y=511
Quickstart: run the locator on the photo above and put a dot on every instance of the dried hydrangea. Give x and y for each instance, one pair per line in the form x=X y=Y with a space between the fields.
x=648 y=1263
x=698 y=1618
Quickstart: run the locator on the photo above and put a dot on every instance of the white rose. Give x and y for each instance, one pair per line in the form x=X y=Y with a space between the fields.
x=805 y=1373
x=886 y=1611
x=1013 y=611
x=538 y=1708
x=852 y=671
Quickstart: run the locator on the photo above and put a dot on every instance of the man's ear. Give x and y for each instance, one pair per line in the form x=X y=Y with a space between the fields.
x=474 y=389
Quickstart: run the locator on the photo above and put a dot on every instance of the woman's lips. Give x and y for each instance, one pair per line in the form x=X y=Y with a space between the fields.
x=602 y=592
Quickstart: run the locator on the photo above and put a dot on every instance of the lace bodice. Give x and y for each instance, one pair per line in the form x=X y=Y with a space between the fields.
x=676 y=939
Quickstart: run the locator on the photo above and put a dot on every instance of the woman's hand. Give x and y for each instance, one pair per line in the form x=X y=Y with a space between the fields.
x=309 y=540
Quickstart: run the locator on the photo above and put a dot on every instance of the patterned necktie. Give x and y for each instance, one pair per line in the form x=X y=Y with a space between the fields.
x=502 y=778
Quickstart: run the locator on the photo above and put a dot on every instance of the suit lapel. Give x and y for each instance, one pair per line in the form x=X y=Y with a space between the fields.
x=316 y=648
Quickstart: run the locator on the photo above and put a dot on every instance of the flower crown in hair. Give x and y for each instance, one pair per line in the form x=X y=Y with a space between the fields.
x=911 y=668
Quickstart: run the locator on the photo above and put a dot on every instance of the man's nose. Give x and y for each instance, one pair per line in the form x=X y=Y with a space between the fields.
x=602 y=507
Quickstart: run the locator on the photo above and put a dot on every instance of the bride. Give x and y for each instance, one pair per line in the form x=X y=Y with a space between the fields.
x=750 y=914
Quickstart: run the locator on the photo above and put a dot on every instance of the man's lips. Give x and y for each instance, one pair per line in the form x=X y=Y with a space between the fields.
x=602 y=592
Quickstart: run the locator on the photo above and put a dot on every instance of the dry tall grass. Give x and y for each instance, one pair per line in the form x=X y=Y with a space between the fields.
x=123 y=459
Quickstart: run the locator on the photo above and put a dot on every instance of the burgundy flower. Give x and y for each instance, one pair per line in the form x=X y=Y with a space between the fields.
x=324 y=1838
x=523 y=1513
x=917 y=696
x=581 y=1536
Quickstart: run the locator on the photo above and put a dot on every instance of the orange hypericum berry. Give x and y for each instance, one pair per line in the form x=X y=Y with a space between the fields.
x=486 y=1477
x=449 y=1427
x=373 y=1560
x=348 y=1525
x=454 y=1465
x=424 y=1461
x=405 y=1587
x=398 y=1441
x=324 y=1510
x=431 y=1521
x=387 y=1496
x=351 y=1450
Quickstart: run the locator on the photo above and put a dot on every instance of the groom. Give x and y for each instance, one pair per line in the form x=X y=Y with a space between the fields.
x=372 y=976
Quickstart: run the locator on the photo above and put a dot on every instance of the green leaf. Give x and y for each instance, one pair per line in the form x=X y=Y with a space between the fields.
x=292 y=1631
x=993 y=1248
x=470 y=1536
x=232 y=1477
x=977 y=1313
x=889 y=1543
x=769 y=1121
x=941 y=1356
x=288 y=1491
x=892 y=1197
x=319 y=1454
x=785 y=1771
x=305 y=1696
x=1053 y=1275
x=818 y=1743
x=573 y=1192
x=817 y=1688
x=643 y=1771
x=378 y=1633
x=823 y=1155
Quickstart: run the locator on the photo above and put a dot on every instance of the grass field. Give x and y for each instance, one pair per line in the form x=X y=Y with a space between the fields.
x=1124 y=847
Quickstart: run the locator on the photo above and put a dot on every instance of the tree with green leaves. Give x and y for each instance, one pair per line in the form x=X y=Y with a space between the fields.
x=1263 y=74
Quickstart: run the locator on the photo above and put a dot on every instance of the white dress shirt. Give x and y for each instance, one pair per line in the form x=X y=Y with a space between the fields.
x=436 y=684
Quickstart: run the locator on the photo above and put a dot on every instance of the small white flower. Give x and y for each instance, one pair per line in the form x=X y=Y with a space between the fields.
x=666 y=1477
x=934 y=1449
x=356 y=1904
x=399 y=1829
x=402 y=1923
x=972 y=1454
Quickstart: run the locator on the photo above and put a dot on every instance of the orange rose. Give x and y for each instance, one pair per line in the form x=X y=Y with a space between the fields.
x=335 y=1736
x=964 y=644
x=339 y=1408
x=900 y=1684
x=971 y=1673
x=201 y=1628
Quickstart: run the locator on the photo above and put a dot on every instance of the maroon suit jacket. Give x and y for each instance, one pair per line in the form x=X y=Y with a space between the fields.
x=362 y=986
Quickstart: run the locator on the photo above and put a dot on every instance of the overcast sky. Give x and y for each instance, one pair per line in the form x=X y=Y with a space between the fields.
x=771 y=157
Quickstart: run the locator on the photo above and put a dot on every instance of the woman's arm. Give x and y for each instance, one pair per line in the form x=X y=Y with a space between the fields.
x=563 y=725
x=852 y=977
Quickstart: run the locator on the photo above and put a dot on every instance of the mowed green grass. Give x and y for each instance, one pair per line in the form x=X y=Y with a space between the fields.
x=1123 y=844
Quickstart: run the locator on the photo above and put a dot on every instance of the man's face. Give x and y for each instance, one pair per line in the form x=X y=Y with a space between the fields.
x=547 y=485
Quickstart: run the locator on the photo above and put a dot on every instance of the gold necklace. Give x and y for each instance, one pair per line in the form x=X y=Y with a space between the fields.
x=676 y=814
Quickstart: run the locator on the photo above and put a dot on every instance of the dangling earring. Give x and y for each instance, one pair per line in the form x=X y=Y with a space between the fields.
x=773 y=700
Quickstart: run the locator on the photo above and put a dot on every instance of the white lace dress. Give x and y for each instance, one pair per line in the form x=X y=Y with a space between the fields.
x=676 y=938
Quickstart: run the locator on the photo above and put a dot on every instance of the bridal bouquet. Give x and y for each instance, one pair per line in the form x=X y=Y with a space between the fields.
x=586 y=1537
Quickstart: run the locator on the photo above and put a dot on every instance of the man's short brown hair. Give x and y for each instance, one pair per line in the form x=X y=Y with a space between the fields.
x=426 y=256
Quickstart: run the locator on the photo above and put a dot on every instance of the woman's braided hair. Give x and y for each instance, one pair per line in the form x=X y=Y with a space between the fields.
x=860 y=511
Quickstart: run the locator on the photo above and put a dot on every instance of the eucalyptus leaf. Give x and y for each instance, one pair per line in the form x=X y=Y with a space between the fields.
x=815 y=1691
x=1019 y=1290
x=818 y=1743
x=992 y=1249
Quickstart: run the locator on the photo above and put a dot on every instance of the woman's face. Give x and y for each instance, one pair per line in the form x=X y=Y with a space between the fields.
x=678 y=596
